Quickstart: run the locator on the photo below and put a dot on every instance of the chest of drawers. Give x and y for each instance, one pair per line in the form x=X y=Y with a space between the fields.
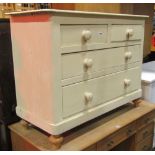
x=71 y=67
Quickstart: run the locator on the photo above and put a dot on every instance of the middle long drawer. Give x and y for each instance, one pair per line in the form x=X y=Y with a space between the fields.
x=89 y=62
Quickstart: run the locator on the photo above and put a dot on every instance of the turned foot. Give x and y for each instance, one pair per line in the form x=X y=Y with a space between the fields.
x=26 y=124
x=137 y=102
x=56 y=141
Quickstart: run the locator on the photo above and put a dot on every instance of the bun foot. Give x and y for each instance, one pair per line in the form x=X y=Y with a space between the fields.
x=137 y=102
x=26 y=124
x=56 y=141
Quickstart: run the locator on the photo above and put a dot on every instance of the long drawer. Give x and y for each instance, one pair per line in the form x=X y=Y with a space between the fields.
x=86 y=63
x=81 y=96
x=126 y=32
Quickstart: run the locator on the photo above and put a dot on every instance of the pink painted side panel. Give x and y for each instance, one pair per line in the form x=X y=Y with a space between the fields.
x=32 y=54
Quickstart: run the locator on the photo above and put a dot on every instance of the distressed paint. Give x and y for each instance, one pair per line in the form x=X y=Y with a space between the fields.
x=38 y=18
x=33 y=66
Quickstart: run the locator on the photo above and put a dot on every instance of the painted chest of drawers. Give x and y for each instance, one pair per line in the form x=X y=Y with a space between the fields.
x=71 y=67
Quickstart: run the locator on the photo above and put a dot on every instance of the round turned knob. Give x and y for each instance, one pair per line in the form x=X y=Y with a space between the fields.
x=127 y=82
x=128 y=55
x=88 y=62
x=88 y=96
x=86 y=34
x=130 y=32
x=110 y=143
x=129 y=131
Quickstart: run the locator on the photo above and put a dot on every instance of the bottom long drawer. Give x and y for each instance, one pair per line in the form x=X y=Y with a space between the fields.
x=84 y=95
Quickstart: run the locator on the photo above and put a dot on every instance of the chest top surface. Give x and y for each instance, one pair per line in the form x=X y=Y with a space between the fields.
x=74 y=13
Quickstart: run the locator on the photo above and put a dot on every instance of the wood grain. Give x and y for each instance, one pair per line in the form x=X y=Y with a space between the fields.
x=144 y=132
x=88 y=134
x=63 y=6
x=145 y=145
x=98 y=7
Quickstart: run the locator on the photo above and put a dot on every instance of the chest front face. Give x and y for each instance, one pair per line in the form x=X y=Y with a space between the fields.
x=75 y=67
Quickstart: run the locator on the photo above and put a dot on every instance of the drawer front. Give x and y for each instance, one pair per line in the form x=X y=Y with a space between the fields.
x=82 y=35
x=145 y=145
x=145 y=132
x=87 y=63
x=81 y=96
x=126 y=32
x=145 y=120
x=116 y=138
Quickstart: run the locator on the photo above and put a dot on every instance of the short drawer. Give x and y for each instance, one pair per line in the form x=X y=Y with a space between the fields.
x=145 y=132
x=84 y=95
x=145 y=145
x=81 y=35
x=87 y=63
x=145 y=120
x=126 y=32
x=116 y=138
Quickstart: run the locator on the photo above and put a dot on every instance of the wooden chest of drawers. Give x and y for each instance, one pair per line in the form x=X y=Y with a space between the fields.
x=71 y=67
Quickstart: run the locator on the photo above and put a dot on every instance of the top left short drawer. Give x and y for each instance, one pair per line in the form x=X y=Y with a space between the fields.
x=83 y=35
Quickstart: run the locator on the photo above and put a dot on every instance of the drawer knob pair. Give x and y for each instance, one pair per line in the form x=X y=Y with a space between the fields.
x=88 y=96
x=129 y=32
x=128 y=55
x=127 y=82
x=88 y=63
x=86 y=35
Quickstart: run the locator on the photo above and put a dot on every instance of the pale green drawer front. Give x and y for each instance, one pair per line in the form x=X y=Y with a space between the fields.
x=126 y=32
x=75 y=64
x=84 y=95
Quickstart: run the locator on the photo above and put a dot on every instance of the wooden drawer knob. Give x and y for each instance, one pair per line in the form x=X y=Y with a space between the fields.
x=86 y=35
x=129 y=32
x=145 y=134
x=127 y=82
x=129 y=132
x=88 y=63
x=128 y=55
x=88 y=96
x=110 y=143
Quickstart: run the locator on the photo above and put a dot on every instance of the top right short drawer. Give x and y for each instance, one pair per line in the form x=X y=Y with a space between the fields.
x=126 y=32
